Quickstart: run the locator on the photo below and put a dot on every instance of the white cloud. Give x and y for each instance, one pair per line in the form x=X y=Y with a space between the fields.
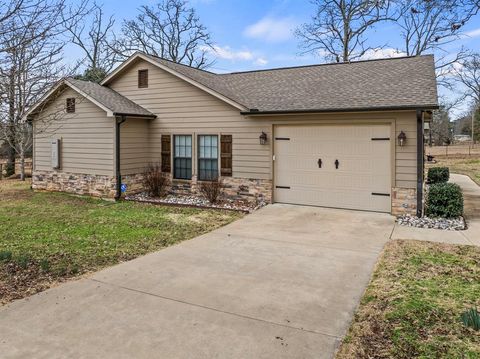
x=272 y=29
x=227 y=53
x=374 y=54
x=473 y=33
x=260 y=61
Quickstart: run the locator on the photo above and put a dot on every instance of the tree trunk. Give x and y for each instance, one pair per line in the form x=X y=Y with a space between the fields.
x=22 y=165
x=10 y=167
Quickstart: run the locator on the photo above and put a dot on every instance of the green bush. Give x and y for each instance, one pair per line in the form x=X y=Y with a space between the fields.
x=23 y=261
x=438 y=175
x=5 y=256
x=445 y=200
x=471 y=318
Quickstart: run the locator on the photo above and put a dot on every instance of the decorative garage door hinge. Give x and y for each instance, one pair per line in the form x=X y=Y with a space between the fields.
x=282 y=138
x=380 y=138
x=380 y=194
x=283 y=187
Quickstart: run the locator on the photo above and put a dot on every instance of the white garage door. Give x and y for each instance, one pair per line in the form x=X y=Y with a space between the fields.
x=334 y=166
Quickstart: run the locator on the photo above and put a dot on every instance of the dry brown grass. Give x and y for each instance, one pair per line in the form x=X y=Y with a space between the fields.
x=462 y=164
x=413 y=304
x=458 y=149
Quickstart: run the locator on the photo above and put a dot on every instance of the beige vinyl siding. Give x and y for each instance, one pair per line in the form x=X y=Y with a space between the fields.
x=406 y=156
x=184 y=109
x=87 y=145
x=134 y=146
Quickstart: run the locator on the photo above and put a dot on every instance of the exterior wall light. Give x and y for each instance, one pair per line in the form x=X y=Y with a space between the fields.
x=402 y=138
x=263 y=138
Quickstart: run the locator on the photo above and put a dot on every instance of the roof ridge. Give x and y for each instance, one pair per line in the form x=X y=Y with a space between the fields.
x=326 y=64
x=180 y=64
x=286 y=67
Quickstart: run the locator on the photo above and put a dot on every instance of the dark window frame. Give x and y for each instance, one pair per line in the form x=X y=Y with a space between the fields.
x=214 y=171
x=182 y=166
x=70 y=105
x=143 y=79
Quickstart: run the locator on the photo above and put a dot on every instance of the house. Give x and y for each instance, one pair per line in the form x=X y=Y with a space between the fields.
x=344 y=135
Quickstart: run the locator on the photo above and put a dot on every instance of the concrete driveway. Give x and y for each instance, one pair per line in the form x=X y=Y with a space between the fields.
x=280 y=283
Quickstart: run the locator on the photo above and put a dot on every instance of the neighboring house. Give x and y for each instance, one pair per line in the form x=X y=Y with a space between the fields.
x=346 y=135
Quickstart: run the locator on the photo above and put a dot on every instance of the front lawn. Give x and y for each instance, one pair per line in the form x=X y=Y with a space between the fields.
x=413 y=304
x=49 y=237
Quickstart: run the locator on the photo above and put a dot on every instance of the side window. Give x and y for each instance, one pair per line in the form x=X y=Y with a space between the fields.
x=207 y=157
x=182 y=160
x=142 y=78
x=70 y=105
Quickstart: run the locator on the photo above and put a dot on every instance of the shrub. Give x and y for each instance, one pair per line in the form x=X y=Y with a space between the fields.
x=23 y=261
x=5 y=256
x=155 y=182
x=445 y=200
x=212 y=189
x=438 y=175
x=45 y=265
x=471 y=318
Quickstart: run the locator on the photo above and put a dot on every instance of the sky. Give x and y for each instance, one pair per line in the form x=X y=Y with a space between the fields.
x=258 y=34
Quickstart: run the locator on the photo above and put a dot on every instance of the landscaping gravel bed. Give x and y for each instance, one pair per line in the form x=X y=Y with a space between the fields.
x=453 y=224
x=196 y=201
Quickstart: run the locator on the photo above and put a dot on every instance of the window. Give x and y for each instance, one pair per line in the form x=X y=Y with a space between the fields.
x=70 y=105
x=182 y=160
x=142 y=78
x=207 y=157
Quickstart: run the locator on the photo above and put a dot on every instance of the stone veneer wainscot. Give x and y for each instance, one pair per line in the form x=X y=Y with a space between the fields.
x=404 y=201
x=105 y=186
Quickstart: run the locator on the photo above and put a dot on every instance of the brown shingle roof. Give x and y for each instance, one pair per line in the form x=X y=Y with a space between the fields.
x=110 y=99
x=407 y=82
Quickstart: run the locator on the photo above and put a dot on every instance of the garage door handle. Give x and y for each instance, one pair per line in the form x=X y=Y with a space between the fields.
x=319 y=163
x=336 y=164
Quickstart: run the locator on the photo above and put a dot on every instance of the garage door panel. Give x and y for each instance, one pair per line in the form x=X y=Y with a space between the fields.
x=336 y=199
x=364 y=166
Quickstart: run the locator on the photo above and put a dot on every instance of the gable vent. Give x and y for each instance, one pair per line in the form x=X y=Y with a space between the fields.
x=142 y=78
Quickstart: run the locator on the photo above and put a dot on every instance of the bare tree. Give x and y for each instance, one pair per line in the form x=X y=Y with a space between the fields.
x=339 y=27
x=467 y=74
x=48 y=15
x=170 y=30
x=92 y=36
x=29 y=63
x=427 y=26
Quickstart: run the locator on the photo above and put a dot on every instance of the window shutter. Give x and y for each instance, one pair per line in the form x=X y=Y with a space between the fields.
x=142 y=78
x=166 y=153
x=226 y=155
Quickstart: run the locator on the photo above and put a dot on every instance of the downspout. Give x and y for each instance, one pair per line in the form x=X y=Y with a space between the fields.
x=420 y=163
x=118 y=122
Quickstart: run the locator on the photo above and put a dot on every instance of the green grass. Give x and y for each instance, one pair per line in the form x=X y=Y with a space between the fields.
x=62 y=235
x=413 y=305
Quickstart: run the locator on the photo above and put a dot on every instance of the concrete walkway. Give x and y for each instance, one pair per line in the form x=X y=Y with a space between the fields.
x=471 y=236
x=281 y=283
